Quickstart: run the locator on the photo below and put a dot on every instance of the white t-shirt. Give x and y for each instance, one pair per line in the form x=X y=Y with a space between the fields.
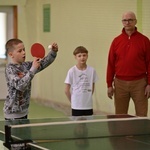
x=81 y=82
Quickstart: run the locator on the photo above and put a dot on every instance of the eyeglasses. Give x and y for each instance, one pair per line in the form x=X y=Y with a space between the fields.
x=128 y=20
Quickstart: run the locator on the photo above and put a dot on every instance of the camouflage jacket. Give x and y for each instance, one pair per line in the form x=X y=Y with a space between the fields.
x=18 y=78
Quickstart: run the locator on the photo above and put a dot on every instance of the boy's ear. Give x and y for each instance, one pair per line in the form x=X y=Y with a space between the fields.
x=10 y=54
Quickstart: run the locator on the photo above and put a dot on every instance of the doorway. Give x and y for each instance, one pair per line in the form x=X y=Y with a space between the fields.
x=8 y=26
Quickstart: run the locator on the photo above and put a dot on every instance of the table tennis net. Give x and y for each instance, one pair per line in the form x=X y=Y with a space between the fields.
x=68 y=130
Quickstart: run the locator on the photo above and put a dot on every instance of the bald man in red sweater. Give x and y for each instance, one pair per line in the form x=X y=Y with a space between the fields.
x=128 y=69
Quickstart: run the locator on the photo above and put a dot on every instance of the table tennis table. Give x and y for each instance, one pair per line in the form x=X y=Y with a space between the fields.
x=100 y=132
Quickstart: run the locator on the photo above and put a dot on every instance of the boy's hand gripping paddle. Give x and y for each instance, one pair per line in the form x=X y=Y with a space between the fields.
x=37 y=50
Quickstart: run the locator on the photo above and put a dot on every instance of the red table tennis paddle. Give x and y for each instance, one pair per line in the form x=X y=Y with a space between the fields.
x=37 y=50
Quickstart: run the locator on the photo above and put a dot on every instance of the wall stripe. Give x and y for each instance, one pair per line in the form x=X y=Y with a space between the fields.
x=139 y=16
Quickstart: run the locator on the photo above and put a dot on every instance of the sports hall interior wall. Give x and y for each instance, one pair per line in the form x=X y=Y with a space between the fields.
x=90 y=23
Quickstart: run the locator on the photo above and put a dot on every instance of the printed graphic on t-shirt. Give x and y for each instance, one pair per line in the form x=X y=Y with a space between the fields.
x=83 y=84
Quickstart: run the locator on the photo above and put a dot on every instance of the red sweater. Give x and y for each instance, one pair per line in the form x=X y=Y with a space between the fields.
x=129 y=58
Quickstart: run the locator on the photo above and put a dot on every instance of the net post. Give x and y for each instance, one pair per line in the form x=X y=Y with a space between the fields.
x=7 y=136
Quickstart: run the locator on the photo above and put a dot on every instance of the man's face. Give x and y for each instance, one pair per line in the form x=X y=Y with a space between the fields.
x=129 y=21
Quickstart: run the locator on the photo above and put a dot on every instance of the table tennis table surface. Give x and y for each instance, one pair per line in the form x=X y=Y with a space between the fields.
x=105 y=132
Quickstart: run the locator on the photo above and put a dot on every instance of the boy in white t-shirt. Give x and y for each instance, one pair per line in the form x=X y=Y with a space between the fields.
x=80 y=82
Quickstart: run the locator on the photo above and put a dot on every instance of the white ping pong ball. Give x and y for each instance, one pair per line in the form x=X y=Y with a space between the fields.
x=50 y=47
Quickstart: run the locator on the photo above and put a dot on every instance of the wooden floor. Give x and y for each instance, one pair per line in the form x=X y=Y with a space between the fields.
x=37 y=111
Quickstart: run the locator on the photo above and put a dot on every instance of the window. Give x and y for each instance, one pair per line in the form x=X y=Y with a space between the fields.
x=8 y=29
x=3 y=18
